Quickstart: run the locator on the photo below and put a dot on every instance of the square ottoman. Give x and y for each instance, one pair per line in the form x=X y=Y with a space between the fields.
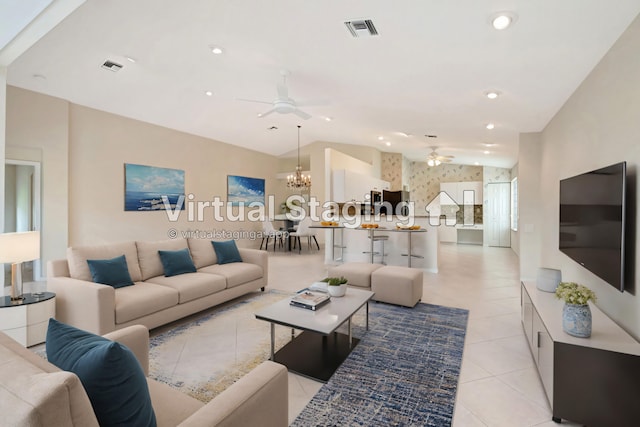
x=357 y=273
x=397 y=285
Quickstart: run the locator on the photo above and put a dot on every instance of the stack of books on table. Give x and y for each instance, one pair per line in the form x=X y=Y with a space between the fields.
x=309 y=299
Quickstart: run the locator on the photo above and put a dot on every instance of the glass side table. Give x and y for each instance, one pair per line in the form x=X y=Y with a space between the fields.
x=26 y=321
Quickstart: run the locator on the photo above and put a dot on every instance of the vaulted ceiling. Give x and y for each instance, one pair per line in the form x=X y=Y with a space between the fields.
x=427 y=71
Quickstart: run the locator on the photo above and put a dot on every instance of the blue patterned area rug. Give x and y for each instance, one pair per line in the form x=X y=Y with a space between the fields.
x=404 y=371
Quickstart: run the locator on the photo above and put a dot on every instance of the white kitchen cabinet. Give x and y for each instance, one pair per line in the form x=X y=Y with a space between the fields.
x=347 y=186
x=447 y=232
x=456 y=191
x=451 y=188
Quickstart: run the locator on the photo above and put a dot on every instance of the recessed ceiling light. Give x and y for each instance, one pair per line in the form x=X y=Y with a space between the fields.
x=503 y=20
x=388 y=144
x=490 y=126
x=216 y=50
x=208 y=93
x=492 y=94
x=259 y=114
x=488 y=144
x=476 y=163
x=380 y=138
x=130 y=59
x=486 y=151
x=327 y=119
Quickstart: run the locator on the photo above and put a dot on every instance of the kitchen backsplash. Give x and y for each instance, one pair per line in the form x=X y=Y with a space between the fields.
x=475 y=215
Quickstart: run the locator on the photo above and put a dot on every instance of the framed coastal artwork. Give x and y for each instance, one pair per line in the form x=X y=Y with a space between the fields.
x=242 y=189
x=145 y=186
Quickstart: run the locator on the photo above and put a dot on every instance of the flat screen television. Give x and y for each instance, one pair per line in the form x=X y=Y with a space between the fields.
x=592 y=222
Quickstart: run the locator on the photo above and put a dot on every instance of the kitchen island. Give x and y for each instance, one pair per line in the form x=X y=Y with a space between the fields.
x=353 y=244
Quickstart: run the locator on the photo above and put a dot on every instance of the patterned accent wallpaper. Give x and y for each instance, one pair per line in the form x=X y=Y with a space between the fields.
x=392 y=169
x=406 y=173
x=424 y=181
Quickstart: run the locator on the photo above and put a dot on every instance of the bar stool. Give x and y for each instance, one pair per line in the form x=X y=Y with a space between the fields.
x=379 y=238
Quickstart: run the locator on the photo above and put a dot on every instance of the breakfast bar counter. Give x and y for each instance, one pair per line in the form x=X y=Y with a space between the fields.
x=417 y=248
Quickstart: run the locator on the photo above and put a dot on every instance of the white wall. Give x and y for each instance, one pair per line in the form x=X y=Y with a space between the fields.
x=599 y=125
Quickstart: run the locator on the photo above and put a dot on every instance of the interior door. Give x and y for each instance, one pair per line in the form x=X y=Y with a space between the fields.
x=498 y=217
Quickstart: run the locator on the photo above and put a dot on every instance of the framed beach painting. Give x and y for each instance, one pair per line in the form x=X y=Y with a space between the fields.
x=242 y=189
x=145 y=187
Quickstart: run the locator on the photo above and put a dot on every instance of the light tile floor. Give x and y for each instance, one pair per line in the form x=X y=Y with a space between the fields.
x=499 y=385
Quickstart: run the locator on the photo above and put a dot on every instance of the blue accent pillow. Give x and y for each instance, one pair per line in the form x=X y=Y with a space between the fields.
x=112 y=272
x=110 y=374
x=227 y=252
x=176 y=262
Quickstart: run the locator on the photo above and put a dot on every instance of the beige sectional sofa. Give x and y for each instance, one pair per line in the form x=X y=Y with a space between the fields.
x=154 y=299
x=35 y=393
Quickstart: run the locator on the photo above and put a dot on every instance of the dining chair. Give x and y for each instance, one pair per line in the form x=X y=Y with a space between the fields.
x=303 y=230
x=268 y=231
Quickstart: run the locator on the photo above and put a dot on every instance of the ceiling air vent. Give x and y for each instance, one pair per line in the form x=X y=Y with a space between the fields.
x=112 y=66
x=361 y=28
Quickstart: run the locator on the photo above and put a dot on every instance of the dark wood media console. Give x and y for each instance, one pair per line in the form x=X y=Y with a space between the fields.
x=593 y=381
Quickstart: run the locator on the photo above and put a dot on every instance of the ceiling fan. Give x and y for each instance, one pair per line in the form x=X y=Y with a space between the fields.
x=435 y=159
x=282 y=104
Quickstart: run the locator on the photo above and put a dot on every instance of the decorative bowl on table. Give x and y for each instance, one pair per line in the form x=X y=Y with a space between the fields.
x=337 y=286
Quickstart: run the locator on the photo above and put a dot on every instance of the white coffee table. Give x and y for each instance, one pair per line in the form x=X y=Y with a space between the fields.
x=319 y=349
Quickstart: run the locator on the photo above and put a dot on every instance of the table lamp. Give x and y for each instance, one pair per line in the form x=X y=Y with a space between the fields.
x=16 y=248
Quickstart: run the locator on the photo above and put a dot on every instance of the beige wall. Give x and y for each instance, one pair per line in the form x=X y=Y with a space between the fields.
x=100 y=145
x=83 y=152
x=38 y=130
x=599 y=125
x=3 y=120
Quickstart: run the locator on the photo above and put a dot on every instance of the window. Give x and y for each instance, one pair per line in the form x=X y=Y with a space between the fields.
x=514 y=204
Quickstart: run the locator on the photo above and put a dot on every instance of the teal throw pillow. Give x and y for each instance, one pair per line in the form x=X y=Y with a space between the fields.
x=112 y=272
x=176 y=262
x=110 y=374
x=227 y=252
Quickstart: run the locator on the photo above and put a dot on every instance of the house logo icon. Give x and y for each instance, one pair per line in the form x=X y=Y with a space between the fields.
x=435 y=210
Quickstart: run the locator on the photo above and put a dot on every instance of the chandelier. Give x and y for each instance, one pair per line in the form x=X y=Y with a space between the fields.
x=298 y=181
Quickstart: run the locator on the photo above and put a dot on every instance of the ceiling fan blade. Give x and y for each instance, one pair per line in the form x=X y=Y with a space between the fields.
x=298 y=112
x=254 y=100
x=266 y=113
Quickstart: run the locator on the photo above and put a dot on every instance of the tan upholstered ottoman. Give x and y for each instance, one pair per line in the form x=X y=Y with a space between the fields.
x=357 y=273
x=397 y=285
